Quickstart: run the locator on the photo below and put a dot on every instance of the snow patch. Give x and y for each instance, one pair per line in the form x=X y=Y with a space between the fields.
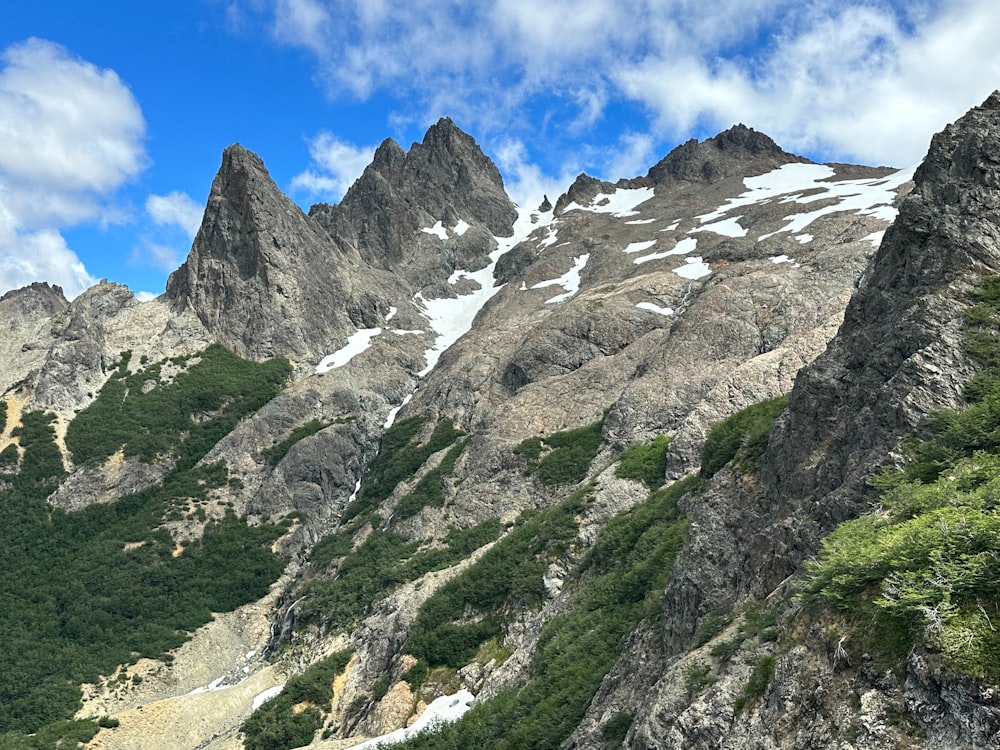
x=549 y=239
x=804 y=239
x=357 y=342
x=437 y=230
x=694 y=268
x=569 y=281
x=638 y=247
x=211 y=687
x=726 y=227
x=789 y=183
x=619 y=204
x=655 y=308
x=672 y=227
x=461 y=227
x=784 y=259
x=875 y=238
x=641 y=221
x=685 y=246
x=450 y=318
x=261 y=698
x=390 y=418
x=443 y=710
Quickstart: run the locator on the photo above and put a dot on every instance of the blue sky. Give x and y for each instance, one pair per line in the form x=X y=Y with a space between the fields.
x=113 y=115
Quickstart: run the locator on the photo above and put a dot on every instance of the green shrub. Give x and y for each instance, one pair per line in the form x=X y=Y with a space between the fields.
x=398 y=459
x=9 y=458
x=429 y=491
x=278 y=724
x=615 y=729
x=620 y=583
x=462 y=614
x=90 y=590
x=3 y=416
x=562 y=457
x=185 y=417
x=756 y=686
x=925 y=568
x=646 y=463
x=710 y=627
x=742 y=435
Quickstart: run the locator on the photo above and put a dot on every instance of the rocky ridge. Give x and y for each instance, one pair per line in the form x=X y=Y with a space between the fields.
x=657 y=305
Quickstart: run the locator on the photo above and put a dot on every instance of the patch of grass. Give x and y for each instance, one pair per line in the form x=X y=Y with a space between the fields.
x=742 y=436
x=646 y=463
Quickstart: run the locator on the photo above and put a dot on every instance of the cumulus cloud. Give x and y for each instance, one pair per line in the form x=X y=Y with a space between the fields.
x=175 y=209
x=70 y=135
x=335 y=165
x=869 y=80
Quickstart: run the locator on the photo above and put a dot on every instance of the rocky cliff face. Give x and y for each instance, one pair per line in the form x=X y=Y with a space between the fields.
x=897 y=356
x=648 y=308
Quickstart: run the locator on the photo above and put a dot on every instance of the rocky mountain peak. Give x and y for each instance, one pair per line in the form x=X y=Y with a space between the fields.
x=252 y=276
x=39 y=297
x=444 y=178
x=739 y=151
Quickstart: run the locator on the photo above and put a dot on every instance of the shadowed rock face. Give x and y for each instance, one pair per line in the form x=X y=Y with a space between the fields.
x=444 y=178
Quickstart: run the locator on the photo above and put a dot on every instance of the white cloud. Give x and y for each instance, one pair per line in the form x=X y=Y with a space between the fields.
x=38 y=256
x=70 y=135
x=863 y=79
x=335 y=165
x=175 y=209
x=524 y=181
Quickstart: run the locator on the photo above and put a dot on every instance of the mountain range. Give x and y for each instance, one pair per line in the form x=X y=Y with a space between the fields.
x=704 y=458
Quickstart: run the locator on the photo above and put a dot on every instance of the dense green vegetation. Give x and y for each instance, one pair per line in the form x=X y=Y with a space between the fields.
x=283 y=722
x=3 y=416
x=646 y=462
x=741 y=436
x=398 y=458
x=466 y=612
x=926 y=567
x=620 y=583
x=429 y=491
x=562 y=457
x=382 y=562
x=184 y=416
x=86 y=591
